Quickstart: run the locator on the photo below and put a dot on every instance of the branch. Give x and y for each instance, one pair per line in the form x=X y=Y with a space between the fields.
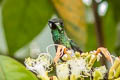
x=98 y=27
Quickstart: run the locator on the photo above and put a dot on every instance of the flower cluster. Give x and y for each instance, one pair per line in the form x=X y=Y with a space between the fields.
x=40 y=66
x=71 y=65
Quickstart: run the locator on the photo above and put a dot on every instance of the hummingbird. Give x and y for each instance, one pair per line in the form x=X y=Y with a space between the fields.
x=59 y=36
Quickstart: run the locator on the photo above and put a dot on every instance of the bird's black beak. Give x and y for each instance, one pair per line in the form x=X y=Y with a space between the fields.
x=50 y=21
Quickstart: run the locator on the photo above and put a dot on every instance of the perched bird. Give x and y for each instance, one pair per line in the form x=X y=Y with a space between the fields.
x=59 y=36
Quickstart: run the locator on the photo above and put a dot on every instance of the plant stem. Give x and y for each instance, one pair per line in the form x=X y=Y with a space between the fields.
x=98 y=27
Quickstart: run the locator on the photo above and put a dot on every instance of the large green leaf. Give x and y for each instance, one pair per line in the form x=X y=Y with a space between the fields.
x=23 y=20
x=73 y=14
x=13 y=70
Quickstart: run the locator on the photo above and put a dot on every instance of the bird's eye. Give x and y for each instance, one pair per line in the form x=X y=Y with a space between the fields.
x=50 y=25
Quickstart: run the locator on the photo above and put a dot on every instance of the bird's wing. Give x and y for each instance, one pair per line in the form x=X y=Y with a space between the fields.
x=74 y=46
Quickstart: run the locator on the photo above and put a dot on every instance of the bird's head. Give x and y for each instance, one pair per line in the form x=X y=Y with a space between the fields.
x=56 y=24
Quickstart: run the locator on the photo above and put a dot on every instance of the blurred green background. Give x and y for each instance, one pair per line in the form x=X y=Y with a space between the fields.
x=24 y=31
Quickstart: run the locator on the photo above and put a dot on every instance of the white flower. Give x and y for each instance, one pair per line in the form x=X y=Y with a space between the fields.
x=77 y=66
x=102 y=69
x=99 y=72
x=62 y=71
x=94 y=51
x=41 y=65
x=71 y=67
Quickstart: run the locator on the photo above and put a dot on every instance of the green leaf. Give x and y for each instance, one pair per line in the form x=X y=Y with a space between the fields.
x=23 y=20
x=13 y=70
x=73 y=14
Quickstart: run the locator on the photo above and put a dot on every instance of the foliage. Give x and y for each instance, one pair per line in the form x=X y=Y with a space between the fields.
x=10 y=69
x=23 y=20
